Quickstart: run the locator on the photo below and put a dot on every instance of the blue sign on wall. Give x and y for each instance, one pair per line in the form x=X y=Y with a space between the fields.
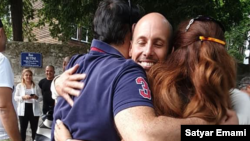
x=29 y=59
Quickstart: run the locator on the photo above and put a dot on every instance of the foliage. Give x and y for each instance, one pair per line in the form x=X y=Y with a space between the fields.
x=28 y=13
x=236 y=55
x=239 y=34
x=8 y=29
x=5 y=17
x=4 y=9
x=62 y=16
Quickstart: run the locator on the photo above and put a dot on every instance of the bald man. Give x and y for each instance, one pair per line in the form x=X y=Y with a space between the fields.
x=151 y=40
x=151 y=43
x=65 y=62
x=44 y=84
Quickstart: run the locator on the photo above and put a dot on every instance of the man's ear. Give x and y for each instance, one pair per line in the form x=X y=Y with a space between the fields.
x=130 y=49
x=133 y=27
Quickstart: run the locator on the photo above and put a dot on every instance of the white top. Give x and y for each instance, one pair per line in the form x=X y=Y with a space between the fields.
x=53 y=89
x=20 y=92
x=6 y=80
x=28 y=92
x=241 y=104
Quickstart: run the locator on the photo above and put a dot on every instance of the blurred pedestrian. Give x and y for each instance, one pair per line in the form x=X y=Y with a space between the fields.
x=65 y=62
x=244 y=85
x=44 y=84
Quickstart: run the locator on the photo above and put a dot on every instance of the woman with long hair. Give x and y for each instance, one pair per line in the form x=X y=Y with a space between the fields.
x=196 y=79
x=28 y=96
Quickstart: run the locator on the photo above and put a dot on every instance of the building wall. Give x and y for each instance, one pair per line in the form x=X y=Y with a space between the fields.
x=42 y=34
x=52 y=54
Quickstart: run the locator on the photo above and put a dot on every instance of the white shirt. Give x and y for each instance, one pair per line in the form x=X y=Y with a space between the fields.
x=28 y=92
x=241 y=104
x=20 y=92
x=6 y=80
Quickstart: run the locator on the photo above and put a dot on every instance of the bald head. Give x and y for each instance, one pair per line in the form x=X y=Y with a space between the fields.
x=65 y=62
x=151 y=40
x=154 y=21
x=50 y=72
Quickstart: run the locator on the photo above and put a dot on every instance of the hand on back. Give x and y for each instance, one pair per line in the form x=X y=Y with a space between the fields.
x=69 y=84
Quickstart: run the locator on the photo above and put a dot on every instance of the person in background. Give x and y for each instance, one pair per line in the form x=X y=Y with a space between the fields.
x=241 y=100
x=65 y=62
x=44 y=84
x=8 y=118
x=244 y=85
x=28 y=95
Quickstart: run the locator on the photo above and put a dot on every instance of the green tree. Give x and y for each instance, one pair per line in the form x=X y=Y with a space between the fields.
x=62 y=15
x=18 y=13
x=239 y=34
x=16 y=7
x=8 y=29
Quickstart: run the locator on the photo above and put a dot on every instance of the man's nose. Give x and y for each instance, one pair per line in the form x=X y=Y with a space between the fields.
x=148 y=50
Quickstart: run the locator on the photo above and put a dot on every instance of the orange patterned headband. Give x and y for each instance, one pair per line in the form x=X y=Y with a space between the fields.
x=202 y=38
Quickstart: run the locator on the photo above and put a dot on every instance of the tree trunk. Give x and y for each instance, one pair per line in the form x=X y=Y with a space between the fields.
x=17 y=17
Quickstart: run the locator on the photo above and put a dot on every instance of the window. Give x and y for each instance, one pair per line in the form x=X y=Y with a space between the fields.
x=80 y=34
x=84 y=33
x=75 y=33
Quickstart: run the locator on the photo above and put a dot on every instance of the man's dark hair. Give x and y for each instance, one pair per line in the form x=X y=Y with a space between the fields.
x=1 y=24
x=113 y=20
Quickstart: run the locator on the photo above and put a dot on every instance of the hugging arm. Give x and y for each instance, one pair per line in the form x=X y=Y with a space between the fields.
x=61 y=133
x=141 y=123
x=67 y=84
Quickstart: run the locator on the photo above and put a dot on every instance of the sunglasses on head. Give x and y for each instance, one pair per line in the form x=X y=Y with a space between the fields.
x=204 y=18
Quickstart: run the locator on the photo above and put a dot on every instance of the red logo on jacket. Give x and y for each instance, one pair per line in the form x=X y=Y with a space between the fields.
x=145 y=91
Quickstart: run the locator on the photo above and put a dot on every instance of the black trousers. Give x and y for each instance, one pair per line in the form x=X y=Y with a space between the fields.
x=28 y=117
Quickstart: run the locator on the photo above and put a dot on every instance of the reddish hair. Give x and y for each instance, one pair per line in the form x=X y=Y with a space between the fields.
x=196 y=78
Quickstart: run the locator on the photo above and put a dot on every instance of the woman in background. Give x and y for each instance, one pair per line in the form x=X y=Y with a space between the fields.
x=196 y=79
x=28 y=96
